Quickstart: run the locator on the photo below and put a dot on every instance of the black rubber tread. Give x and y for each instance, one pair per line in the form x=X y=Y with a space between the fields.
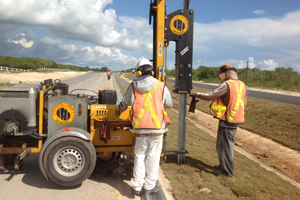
x=87 y=149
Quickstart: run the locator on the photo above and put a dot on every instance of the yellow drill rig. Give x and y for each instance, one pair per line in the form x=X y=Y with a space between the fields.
x=67 y=129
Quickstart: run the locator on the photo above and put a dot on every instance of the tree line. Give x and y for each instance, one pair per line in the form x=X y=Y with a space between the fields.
x=35 y=63
x=279 y=78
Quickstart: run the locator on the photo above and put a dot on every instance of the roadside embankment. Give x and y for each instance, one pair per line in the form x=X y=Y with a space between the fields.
x=31 y=77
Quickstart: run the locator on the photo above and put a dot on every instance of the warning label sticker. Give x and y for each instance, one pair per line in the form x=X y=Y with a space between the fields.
x=115 y=138
x=63 y=114
x=160 y=49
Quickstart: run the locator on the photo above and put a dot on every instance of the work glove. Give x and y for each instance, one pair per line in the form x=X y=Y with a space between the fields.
x=192 y=93
x=193 y=104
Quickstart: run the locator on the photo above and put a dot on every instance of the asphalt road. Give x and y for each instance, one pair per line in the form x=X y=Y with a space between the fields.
x=107 y=182
x=282 y=98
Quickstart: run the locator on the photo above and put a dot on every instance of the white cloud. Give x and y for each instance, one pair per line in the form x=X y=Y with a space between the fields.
x=271 y=64
x=103 y=50
x=259 y=12
x=20 y=39
x=108 y=39
x=48 y=40
x=98 y=56
x=258 y=32
x=263 y=38
x=23 y=42
x=241 y=64
x=251 y=64
x=76 y=20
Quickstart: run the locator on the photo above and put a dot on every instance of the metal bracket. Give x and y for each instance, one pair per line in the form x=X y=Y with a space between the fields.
x=23 y=154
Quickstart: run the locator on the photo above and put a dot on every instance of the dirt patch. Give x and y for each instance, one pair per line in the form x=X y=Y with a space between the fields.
x=31 y=77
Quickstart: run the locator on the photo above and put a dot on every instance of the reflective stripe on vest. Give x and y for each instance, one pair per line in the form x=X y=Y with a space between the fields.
x=238 y=102
x=219 y=108
x=147 y=104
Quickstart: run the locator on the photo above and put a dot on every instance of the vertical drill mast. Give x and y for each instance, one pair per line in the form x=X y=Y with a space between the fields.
x=177 y=27
x=157 y=10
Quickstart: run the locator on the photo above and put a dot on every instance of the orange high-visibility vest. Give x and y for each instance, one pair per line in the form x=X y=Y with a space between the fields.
x=217 y=108
x=148 y=108
x=109 y=72
x=234 y=111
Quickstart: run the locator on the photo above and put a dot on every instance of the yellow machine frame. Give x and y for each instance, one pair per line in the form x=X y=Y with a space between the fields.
x=122 y=135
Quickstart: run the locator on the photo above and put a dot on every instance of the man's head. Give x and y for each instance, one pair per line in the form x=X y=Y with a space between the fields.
x=226 y=72
x=144 y=67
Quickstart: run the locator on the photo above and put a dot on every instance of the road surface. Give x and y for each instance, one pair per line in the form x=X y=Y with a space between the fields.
x=282 y=98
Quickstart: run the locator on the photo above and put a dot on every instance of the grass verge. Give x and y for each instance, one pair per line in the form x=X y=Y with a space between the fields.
x=4 y=83
x=277 y=121
x=195 y=179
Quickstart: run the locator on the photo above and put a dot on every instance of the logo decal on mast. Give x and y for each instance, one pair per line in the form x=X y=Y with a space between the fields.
x=179 y=24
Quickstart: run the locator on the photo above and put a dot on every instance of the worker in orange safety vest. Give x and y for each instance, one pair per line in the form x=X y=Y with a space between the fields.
x=229 y=101
x=148 y=97
x=108 y=74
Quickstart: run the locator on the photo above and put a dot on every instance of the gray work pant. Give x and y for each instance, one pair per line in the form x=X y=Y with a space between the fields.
x=224 y=146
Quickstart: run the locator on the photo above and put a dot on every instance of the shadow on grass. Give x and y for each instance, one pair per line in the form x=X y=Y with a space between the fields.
x=198 y=164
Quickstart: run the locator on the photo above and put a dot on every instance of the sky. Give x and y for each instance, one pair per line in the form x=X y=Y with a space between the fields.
x=116 y=33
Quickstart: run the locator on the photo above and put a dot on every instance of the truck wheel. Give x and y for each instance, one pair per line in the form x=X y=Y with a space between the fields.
x=68 y=161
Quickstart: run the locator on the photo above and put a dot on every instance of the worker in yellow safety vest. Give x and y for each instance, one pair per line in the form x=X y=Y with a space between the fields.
x=229 y=101
x=148 y=98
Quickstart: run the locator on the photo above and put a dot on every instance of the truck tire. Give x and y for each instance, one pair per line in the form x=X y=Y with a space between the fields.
x=68 y=161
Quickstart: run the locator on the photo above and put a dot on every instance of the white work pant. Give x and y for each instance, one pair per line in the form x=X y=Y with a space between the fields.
x=146 y=162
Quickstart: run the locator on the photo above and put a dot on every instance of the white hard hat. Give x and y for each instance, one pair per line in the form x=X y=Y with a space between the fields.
x=142 y=62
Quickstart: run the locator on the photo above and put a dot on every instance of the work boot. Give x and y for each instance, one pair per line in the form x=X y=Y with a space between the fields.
x=135 y=192
x=155 y=189
x=218 y=172
x=217 y=167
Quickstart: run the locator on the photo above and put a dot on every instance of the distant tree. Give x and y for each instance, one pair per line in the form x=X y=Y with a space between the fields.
x=104 y=69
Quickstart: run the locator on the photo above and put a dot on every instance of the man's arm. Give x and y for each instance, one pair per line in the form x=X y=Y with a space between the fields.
x=217 y=93
x=127 y=99
x=167 y=98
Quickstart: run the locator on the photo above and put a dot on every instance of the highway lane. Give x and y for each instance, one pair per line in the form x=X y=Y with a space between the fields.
x=90 y=81
x=282 y=98
x=107 y=182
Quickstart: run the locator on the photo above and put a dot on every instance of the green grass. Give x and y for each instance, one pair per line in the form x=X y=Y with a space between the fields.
x=251 y=180
x=277 y=121
x=4 y=83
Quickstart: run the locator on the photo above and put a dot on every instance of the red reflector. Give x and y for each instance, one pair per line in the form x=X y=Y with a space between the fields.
x=66 y=129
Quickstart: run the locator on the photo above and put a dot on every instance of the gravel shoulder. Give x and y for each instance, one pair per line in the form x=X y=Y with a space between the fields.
x=31 y=77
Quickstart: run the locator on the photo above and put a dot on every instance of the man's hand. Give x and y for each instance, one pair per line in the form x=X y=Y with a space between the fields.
x=121 y=106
